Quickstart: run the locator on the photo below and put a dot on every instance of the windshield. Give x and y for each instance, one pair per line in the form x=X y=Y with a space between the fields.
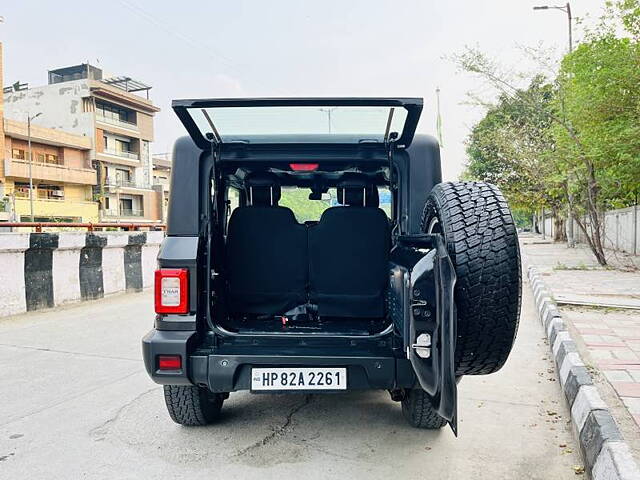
x=299 y=124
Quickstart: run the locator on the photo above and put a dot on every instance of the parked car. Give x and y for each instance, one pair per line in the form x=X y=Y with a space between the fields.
x=249 y=298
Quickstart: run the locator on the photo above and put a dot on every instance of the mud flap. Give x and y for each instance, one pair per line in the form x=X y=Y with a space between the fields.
x=431 y=318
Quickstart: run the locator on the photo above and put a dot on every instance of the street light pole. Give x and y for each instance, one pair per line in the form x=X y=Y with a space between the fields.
x=29 y=118
x=328 y=111
x=566 y=9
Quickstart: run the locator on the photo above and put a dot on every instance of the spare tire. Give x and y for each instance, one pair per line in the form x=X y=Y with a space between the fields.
x=481 y=239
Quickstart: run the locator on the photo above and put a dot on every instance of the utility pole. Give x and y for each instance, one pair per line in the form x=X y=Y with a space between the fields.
x=439 y=118
x=566 y=9
x=29 y=118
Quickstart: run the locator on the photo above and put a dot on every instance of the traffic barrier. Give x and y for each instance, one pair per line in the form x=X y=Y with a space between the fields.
x=44 y=270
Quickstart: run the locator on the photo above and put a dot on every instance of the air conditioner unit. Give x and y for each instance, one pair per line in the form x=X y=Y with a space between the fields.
x=57 y=193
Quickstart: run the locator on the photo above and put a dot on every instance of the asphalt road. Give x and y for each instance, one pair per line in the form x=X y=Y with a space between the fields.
x=75 y=402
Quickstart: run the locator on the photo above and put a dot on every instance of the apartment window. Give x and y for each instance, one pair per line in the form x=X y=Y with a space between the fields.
x=21 y=190
x=50 y=192
x=126 y=207
x=115 y=113
x=106 y=203
x=106 y=142
x=123 y=176
x=123 y=146
x=18 y=154
x=52 y=158
x=40 y=157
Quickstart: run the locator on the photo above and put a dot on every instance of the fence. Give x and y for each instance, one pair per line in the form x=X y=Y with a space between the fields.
x=621 y=230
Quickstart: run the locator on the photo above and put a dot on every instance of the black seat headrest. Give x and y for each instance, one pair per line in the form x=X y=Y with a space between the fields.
x=263 y=189
x=356 y=190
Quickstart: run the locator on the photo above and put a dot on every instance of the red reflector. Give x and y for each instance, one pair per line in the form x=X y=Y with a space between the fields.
x=169 y=362
x=303 y=167
x=172 y=290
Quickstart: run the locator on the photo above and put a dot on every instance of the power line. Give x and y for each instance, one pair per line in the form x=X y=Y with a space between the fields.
x=172 y=30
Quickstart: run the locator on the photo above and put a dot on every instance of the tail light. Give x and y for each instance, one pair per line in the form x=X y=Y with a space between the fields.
x=172 y=290
x=304 y=167
x=169 y=362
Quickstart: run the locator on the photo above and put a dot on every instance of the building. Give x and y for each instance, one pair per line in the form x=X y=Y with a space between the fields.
x=61 y=172
x=63 y=178
x=116 y=116
x=161 y=179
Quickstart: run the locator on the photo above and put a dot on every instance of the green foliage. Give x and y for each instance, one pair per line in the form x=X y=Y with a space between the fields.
x=522 y=217
x=297 y=199
x=600 y=82
x=571 y=142
x=512 y=147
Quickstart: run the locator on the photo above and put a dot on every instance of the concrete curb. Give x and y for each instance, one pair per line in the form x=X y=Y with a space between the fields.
x=606 y=455
x=44 y=270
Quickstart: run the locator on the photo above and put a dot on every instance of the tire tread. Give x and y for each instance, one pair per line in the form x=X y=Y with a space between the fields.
x=483 y=244
x=191 y=405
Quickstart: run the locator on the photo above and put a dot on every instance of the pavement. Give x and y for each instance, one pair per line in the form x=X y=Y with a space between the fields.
x=607 y=328
x=76 y=403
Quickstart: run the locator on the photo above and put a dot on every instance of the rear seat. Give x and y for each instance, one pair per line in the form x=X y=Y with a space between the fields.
x=349 y=253
x=266 y=255
x=340 y=263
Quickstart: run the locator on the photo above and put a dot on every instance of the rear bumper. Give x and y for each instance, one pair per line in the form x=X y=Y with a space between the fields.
x=229 y=373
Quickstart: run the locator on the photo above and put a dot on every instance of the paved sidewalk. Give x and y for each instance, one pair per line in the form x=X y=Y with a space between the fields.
x=610 y=335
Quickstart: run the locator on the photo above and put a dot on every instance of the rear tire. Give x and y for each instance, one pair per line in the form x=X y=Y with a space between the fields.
x=483 y=245
x=419 y=412
x=192 y=406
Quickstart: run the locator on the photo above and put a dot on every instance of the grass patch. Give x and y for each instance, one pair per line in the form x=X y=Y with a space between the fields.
x=581 y=266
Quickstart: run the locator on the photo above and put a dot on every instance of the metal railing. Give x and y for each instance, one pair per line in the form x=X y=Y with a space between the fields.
x=124 y=212
x=119 y=182
x=128 y=226
x=50 y=194
x=117 y=122
x=122 y=153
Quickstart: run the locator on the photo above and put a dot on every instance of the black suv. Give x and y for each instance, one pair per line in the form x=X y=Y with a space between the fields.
x=379 y=276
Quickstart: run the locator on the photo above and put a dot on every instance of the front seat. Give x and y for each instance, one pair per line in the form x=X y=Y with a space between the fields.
x=349 y=253
x=266 y=254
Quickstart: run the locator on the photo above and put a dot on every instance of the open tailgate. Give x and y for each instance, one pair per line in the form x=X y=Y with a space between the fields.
x=318 y=121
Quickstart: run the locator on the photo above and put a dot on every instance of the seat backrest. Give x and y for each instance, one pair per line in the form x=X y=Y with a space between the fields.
x=349 y=253
x=266 y=254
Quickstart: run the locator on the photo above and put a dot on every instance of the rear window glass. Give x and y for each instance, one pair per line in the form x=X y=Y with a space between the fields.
x=305 y=124
x=305 y=210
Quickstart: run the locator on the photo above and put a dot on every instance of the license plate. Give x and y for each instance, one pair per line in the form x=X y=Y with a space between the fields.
x=299 y=378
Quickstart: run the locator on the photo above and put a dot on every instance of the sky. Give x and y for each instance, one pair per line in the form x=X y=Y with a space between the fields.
x=281 y=48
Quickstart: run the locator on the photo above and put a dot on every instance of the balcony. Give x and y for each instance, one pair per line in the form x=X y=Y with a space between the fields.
x=122 y=154
x=116 y=122
x=49 y=171
x=123 y=212
x=122 y=183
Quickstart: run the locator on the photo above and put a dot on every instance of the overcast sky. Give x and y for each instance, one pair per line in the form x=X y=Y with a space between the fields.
x=283 y=48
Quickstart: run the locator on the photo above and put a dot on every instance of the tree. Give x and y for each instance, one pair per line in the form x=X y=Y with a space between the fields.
x=512 y=145
x=598 y=138
x=585 y=136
